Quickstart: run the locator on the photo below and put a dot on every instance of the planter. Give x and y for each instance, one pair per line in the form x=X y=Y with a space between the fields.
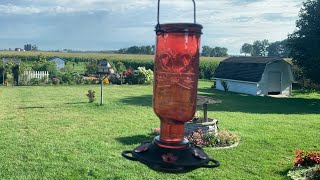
x=207 y=127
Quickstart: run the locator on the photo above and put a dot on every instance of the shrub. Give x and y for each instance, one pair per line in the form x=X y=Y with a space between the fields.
x=309 y=173
x=66 y=78
x=23 y=80
x=91 y=68
x=34 y=81
x=115 y=79
x=55 y=81
x=1 y=72
x=91 y=95
x=225 y=138
x=222 y=138
x=140 y=76
x=207 y=69
x=224 y=84
x=212 y=139
x=143 y=76
x=128 y=77
x=10 y=78
x=120 y=67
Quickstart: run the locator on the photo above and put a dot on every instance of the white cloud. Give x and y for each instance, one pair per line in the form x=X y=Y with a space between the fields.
x=27 y=10
x=228 y=23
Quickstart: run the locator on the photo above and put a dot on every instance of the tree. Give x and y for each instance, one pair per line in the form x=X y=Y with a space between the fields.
x=122 y=51
x=246 y=49
x=219 y=52
x=206 y=51
x=133 y=50
x=137 y=50
x=259 y=48
x=278 y=49
x=305 y=40
x=149 y=50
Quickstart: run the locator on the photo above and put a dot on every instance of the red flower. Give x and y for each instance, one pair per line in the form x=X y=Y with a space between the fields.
x=127 y=72
x=306 y=158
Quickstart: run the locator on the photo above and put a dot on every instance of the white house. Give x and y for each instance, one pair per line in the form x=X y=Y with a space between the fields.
x=59 y=62
x=255 y=75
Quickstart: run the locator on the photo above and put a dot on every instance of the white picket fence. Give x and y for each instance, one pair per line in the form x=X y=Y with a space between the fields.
x=28 y=75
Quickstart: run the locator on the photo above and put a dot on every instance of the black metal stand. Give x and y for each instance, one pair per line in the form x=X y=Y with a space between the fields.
x=171 y=160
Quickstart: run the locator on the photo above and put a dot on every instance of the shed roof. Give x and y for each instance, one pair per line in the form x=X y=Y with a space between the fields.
x=56 y=58
x=244 y=68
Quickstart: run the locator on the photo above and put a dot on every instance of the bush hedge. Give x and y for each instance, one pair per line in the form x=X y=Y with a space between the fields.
x=206 y=68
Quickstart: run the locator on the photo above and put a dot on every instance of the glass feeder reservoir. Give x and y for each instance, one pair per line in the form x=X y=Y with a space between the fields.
x=176 y=72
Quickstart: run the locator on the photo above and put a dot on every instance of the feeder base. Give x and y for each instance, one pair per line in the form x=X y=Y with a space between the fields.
x=171 y=160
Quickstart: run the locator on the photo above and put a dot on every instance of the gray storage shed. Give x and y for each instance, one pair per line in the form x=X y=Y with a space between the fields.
x=255 y=75
x=59 y=62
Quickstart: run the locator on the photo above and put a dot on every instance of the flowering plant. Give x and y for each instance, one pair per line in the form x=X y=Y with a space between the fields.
x=56 y=81
x=306 y=158
x=306 y=165
x=106 y=81
x=155 y=131
x=198 y=138
x=127 y=73
x=308 y=173
x=314 y=174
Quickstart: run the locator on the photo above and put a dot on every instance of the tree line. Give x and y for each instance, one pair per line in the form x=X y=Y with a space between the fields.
x=264 y=48
x=137 y=50
x=208 y=51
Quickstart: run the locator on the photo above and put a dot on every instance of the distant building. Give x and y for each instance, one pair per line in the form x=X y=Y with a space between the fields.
x=59 y=62
x=27 y=47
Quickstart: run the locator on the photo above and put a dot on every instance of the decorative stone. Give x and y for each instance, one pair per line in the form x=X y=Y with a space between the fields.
x=207 y=127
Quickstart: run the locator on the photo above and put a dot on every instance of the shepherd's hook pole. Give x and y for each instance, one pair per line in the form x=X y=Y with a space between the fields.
x=101 y=93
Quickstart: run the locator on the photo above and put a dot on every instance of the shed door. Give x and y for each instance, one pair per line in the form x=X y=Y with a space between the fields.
x=274 y=83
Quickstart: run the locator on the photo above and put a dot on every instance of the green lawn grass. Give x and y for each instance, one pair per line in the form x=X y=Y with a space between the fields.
x=52 y=132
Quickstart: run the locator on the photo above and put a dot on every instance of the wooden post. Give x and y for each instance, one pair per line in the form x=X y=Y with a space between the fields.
x=101 y=90
x=205 y=112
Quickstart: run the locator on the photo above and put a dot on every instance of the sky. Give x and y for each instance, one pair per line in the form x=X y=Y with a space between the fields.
x=113 y=24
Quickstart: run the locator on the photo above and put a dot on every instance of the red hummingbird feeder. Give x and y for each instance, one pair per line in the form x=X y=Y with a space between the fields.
x=176 y=72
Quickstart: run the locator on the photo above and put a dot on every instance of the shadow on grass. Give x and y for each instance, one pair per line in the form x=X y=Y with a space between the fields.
x=234 y=102
x=135 y=139
x=145 y=100
x=76 y=103
x=284 y=173
x=32 y=107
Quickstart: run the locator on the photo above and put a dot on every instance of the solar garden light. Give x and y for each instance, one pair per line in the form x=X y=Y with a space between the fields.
x=176 y=73
x=103 y=70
